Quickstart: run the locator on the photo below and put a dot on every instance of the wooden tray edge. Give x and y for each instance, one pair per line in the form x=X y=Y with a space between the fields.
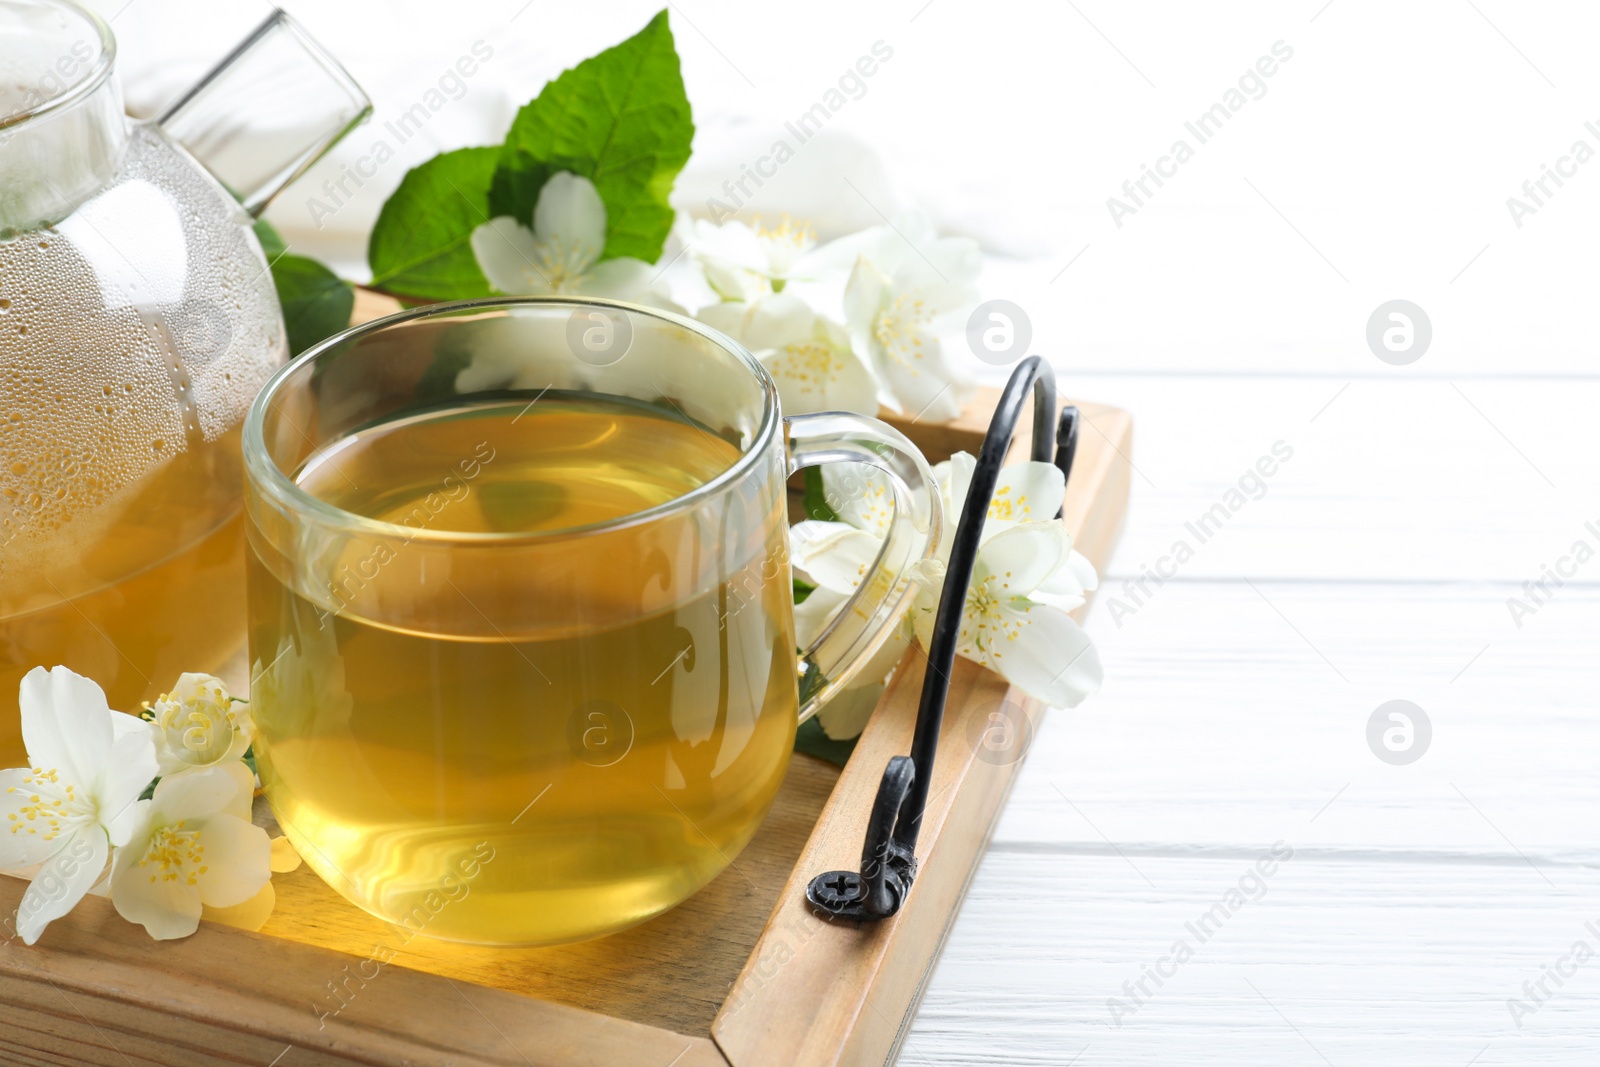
x=843 y=993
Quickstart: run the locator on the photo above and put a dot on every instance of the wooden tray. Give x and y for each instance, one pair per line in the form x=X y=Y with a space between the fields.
x=741 y=974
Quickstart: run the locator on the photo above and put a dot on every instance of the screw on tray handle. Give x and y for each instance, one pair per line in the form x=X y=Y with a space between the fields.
x=889 y=852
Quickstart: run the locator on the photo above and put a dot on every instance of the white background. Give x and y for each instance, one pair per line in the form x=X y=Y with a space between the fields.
x=1227 y=314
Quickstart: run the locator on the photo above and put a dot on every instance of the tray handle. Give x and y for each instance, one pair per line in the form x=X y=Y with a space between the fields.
x=888 y=855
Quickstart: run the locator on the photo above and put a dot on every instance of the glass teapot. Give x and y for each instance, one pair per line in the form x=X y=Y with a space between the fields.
x=138 y=318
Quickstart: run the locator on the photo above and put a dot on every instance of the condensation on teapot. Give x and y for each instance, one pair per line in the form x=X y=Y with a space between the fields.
x=138 y=319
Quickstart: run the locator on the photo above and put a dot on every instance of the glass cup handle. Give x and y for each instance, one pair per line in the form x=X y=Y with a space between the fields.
x=867 y=618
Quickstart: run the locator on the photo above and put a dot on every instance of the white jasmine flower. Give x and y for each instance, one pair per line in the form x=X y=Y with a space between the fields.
x=254 y=913
x=561 y=254
x=909 y=287
x=834 y=556
x=745 y=263
x=199 y=724
x=808 y=356
x=1015 y=619
x=192 y=847
x=1026 y=579
x=76 y=798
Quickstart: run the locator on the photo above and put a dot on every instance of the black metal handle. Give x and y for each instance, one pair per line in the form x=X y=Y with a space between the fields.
x=888 y=855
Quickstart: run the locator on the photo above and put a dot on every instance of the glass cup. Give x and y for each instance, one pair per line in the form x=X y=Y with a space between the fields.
x=521 y=617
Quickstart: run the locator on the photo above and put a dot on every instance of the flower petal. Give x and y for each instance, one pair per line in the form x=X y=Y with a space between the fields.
x=198 y=724
x=1083 y=571
x=838 y=256
x=23 y=841
x=846 y=714
x=775 y=321
x=812 y=615
x=821 y=375
x=1052 y=659
x=732 y=259
x=928 y=577
x=783 y=245
x=197 y=794
x=837 y=557
x=251 y=915
x=885 y=659
x=1067 y=585
x=811 y=536
x=954 y=478
x=1017 y=560
x=865 y=295
x=131 y=766
x=727 y=316
x=244 y=789
x=506 y=252
x=922 y=383
x=622 y=278
x=66 y=724
x=64 y=880
x=284 y=856
x=1030 y=490
x=955 y=260
x=238 y=861
x=167 y=908
x=571 y=215
x=732 y=241
x=1058 y=596
x=861 y=495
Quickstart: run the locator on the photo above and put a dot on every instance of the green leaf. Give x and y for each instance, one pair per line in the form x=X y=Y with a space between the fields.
x=271 y=241
x=517 y=182
x=815 y=500
x=316 y=302
x=421 y=244
x=814 y=741
x=620 y=119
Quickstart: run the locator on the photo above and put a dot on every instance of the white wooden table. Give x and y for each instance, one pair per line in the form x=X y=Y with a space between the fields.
x=1419 y=898
x=1227 y=314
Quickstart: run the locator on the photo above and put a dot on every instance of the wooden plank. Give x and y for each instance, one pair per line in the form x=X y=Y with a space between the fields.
x=228 y=996
x=370 y=305
x=815 y=992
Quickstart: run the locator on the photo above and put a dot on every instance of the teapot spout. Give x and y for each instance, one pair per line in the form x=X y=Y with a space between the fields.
x=271 y=108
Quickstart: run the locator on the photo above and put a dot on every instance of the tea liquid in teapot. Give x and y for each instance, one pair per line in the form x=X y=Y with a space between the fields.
x=138 y=318
x=133 y=335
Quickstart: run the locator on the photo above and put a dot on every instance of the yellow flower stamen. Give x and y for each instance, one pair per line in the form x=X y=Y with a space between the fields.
x=560 y=264
x=175 y=854
x=898 y=329
x=52 y=809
